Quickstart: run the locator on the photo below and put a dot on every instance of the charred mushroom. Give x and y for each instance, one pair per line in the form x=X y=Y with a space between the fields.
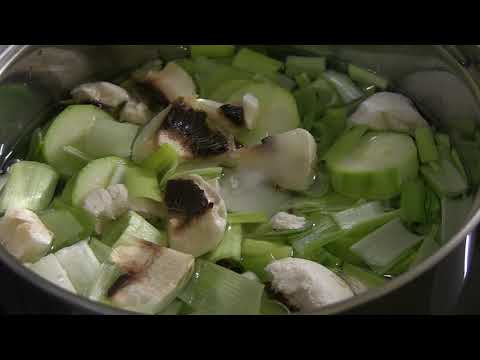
x=188 y=132
x=197 y=215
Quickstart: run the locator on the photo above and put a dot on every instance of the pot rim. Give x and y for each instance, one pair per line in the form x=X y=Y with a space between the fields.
x=13 y=52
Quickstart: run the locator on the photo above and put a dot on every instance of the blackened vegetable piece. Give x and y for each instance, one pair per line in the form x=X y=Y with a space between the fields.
x=189 y=129
x=233 y=113
x=186 y=198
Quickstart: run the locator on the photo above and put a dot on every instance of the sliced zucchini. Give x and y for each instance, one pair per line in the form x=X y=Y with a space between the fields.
x=71 y=127
x=376 y=168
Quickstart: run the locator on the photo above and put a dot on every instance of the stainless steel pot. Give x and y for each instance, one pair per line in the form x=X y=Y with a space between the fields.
x=443 y=81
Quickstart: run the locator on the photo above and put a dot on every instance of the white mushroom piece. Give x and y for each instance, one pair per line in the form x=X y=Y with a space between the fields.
x=285 y=221
x=307 y=285
x=285 y=160
x=172 y=81
x=154 y=276
x=388 y=111
x=197 y=215
x=24 y=235
x=114 y=97
x=288 y=159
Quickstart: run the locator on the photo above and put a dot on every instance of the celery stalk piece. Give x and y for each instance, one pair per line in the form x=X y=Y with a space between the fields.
x=256 y=62
x=426 y=144
x=443 y=140
x=433 y=209
x=366 y=77
x=35 y=147
x=312 y=66
x=215 y=290
x=327 y=204
x=50 y=269
x=257 y=255
x=404 y=263
x=347 y=90
x=413 y=201
x=162 y=160
x=340 y=248
x=429 y=247
x=325 y=258
x=376 y=168
x=325 y=231
x=142 y=183
x=96 y=175
x=247 y=218
x=327 y=94
x=446 y=181
x=208 y=173
x=108 y=137
x=360 y=279
x=212 y=51
x=131 y=228
x=383 y=248
x=267 y=233
x=107 y=275
x=455 y=214
x=230 y=247
x=273 y=307
x=307 y=102
x=30 y=185
x=302 y=80
x=101 y=251
x=68 y=225
x=367 y=216
x=81 y=265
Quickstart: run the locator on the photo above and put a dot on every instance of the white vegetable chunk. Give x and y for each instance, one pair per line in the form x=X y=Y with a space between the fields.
x=308 y=286
x=104 y=93
x=50 y=269
x=109 y=203
x=285 y=221
x=24 y=235
x=202 y=233
x=172 y=81
x=388 y=111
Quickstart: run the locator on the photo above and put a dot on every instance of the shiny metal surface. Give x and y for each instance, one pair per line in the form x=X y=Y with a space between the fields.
x=34 y=78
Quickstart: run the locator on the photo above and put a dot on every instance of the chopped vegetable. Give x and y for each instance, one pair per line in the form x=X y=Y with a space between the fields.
x=215 y=290
x=413 y=201
x=366 y=77
x=383 y=248
x=426 y=144
x=212 y=51
x=231 y=246
x=247 y=218
x=30 y=185
x=50 y=269
x=256 y=62
x=311 y=66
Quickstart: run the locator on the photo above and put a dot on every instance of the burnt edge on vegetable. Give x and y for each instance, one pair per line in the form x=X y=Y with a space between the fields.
x=233 y=113
x=191 y=128
x=186 y=199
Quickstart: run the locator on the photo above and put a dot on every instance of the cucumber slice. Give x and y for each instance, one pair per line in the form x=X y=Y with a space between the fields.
x=376 y=168
x=95 y=175
x=278 y=111
x=71 y=127
x=145 y=143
